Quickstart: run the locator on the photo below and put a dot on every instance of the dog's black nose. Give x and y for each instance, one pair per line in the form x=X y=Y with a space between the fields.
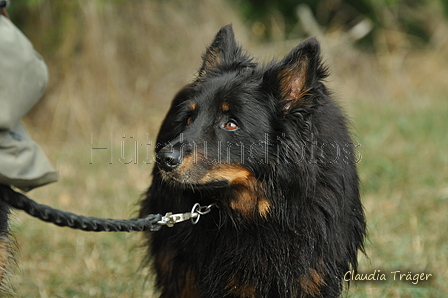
x=169 y=158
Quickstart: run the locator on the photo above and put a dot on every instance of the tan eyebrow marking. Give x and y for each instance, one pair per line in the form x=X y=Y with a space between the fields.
x=225 y=106
x=192 y=106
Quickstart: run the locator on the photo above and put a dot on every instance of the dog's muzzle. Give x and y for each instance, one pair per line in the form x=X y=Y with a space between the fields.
x=169 y=158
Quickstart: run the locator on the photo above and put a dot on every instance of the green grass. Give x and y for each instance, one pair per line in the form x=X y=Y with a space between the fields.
x=404 y=171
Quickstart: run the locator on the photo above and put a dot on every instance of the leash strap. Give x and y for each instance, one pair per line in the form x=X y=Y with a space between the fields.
x=152 y=222
x=74 y=221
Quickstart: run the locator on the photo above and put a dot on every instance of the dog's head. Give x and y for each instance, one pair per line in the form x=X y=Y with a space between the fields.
x=223 y=128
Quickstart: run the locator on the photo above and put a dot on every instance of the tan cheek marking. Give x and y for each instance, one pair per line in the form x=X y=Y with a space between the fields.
x=250 y=201
x=231 y=173
x=244 y=201
x=248 y=195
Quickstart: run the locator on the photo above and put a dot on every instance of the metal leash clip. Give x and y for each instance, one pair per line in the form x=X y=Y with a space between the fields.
x=171 y=219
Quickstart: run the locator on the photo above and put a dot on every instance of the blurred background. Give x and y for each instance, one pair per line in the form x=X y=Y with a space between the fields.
x=115 y=66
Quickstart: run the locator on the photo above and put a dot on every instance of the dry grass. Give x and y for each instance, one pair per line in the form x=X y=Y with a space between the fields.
x=115 y=73
x=125 y=60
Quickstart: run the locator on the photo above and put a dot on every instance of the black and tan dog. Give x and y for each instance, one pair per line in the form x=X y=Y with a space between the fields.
x=272 y=150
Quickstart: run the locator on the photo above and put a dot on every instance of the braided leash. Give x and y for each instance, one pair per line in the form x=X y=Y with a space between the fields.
x=152 y=222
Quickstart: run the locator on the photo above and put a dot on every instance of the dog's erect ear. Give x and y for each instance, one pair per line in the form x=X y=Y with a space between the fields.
x=223 y=43
x=223 y=52
x=298 y=74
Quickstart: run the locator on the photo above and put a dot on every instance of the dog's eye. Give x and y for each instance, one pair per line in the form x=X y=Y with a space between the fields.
x=231 y=125
x=189 y=120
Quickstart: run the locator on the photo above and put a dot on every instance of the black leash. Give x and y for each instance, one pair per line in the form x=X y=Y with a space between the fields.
x=152 y=222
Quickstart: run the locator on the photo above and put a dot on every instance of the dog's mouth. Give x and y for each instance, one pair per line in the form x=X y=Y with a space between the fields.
x=196 y=180
x=209 y=185
x=202 y=175
x=191 y=181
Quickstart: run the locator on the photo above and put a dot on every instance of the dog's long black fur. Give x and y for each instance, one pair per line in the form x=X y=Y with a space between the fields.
x=269 y=146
